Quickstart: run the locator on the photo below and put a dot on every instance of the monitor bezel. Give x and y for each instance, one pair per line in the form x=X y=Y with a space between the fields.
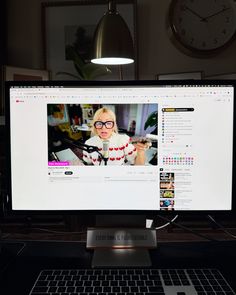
x=67 y=83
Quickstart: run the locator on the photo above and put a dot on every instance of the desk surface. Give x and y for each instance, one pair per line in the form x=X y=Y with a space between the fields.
x=37 y=255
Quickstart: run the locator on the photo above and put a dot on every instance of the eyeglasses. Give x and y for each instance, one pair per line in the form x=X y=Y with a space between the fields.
x=107 y=124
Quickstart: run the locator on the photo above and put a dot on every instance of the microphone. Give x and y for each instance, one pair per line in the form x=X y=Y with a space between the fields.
x=105 y=151
x=152 y=136
x=82 y=146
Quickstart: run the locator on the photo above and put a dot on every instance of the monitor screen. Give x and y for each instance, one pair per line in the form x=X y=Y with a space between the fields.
x=120 y=146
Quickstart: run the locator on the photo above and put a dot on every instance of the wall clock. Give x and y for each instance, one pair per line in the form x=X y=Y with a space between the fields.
x=202 y=27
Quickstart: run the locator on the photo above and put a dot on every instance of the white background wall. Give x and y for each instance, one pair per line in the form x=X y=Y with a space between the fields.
x=157 y=54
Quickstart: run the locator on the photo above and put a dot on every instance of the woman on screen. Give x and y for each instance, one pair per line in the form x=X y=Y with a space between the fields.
x=115 y=148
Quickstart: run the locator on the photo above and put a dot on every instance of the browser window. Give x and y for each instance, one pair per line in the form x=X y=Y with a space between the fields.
x=137 y=147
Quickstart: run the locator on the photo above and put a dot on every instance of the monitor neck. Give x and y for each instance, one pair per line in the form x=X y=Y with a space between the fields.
x=138 y=221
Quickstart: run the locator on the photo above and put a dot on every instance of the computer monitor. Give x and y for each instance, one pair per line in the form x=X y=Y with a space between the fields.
x=120 y=147
x=153 y=147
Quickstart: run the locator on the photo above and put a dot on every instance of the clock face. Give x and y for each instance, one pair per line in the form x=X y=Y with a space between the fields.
x=203 y=25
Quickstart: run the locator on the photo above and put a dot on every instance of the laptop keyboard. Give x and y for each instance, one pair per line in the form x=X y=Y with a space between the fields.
x=132 y=282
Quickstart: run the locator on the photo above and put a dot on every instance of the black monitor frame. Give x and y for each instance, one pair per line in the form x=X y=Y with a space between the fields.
x=150 y=213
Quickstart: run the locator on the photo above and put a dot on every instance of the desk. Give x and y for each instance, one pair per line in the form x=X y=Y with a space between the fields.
x=37 y=255
x=67 y=155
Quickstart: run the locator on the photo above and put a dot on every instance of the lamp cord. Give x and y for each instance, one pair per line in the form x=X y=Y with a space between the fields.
x=221 y=227
x=12 y=259
x=185 y=228
x=168 y=223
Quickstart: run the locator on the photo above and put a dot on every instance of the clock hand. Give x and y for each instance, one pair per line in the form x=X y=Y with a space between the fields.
x=214 y=14
x=195 y=13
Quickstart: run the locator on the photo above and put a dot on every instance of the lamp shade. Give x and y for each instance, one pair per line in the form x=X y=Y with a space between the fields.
x=113 y=44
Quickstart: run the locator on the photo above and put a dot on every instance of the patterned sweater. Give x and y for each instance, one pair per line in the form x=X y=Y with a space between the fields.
x=120 y=150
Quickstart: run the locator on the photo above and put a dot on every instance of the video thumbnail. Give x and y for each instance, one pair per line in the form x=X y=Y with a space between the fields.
x=98 y=134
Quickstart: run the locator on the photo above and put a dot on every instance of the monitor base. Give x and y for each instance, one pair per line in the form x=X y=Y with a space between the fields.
x=121 y=258
x=121 y=241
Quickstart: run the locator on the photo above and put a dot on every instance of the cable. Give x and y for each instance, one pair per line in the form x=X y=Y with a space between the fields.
x=5 y=236
x=222 y=227
x=168 y=223
x=21 y=250
x=12 y=259
x=187 y=229
x=51 y=231
x=59 y=232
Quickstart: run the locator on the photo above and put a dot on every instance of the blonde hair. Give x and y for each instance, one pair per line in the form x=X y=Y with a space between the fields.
x=97 y=115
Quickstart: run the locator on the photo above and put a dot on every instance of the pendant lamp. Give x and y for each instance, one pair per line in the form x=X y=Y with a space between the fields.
x=113 y=44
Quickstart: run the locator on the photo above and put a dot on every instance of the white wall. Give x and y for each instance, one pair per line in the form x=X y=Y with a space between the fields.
x=157 y=54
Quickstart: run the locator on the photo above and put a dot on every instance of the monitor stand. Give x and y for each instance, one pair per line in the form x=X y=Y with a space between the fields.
x=121 y=241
